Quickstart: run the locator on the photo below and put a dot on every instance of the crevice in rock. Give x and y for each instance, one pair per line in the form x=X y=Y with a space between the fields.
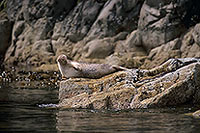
x=59 y=16
x=99 y=11
x=192 y=15
x=108 y=103
x=51 y=49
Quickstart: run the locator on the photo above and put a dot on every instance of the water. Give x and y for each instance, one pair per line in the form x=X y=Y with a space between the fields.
x=26 y=110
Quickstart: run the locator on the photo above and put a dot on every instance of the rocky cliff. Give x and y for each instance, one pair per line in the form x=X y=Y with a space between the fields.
x=131 y=33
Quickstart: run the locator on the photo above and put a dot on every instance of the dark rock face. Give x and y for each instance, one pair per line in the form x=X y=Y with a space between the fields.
x=76 y=25
x=5 y=36
x=115 y=17
x=5 y=33
x=173 y=83
x=33 y=28
x=122 y=32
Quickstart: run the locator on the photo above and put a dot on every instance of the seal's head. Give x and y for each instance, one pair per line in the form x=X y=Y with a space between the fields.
x=62 y=59
x=66 y=67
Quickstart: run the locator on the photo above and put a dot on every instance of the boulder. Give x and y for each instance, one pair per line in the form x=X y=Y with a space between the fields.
x=134 y=39
x=176 y=82
x=162 y=21
x=190 y=46
x=99 y=48
x=160 y=54
x=196 y=34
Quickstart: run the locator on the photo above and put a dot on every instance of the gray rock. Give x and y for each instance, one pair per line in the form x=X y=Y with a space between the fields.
x=34 y=22
x=18 y=28
x=99 y=48
x=133 y=28
x=160 y=22
x=162 y=53
x=78 y=22
x=116 y=16
x=134 y=39
x=189 y=47
x=120 y=36
x=13 y=9
x=196 y=34
x=176 y=87
x=129 y=59
x=39 y=54
x=24 y=37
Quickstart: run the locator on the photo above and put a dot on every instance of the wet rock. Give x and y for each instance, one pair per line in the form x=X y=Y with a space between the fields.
x=176 y=82
x=23 y=79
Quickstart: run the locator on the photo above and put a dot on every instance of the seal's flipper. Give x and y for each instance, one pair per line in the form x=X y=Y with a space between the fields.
x=119 y=68
x=76 y=66
x=64 y=78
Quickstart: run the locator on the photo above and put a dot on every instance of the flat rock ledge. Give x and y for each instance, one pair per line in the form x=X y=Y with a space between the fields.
x=176 y=82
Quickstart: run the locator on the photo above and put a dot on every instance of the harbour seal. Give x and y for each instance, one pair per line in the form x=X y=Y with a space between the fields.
x=72 y=69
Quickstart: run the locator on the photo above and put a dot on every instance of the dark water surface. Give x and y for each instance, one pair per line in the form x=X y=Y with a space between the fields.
x=23 y=110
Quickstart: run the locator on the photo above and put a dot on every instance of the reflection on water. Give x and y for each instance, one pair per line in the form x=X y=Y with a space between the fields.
x=19 y=109
x=130 y=121
x=28 y=110
x=22 y=117
x=28 y=95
